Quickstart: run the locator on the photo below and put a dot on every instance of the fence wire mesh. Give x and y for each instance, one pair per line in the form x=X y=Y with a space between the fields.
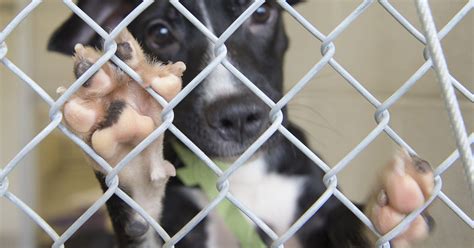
x=434 y=61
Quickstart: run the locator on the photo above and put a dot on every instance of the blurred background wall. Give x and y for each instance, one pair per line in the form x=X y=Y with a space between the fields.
x=375 y=49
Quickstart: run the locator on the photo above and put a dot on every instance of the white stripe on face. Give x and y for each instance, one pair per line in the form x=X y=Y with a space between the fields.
x=205 y=16
x=220 y=82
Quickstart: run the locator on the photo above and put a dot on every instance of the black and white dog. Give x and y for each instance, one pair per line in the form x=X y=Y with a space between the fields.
x=222 y=117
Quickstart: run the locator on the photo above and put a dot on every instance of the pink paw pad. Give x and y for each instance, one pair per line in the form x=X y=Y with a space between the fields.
x=406 y=183
x=112 y=113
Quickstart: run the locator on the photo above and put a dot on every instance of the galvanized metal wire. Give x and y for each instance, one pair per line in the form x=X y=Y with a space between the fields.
x=434 y=61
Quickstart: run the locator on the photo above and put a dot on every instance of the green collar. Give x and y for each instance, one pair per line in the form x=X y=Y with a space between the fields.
x=197 y=173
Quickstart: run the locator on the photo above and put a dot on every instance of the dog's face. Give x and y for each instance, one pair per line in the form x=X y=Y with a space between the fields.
x=221 y=116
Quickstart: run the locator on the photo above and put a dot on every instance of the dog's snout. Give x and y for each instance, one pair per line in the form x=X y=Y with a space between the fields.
x=237 y=119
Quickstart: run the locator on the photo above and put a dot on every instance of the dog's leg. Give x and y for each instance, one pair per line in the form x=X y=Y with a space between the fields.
x=404 y=186
x=113 y=114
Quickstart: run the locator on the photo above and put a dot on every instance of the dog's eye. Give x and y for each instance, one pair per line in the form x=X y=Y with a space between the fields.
x=159 y=35
x=262 y=14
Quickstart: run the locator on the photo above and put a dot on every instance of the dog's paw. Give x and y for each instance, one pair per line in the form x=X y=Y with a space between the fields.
x=406 y=183
x=113 y=113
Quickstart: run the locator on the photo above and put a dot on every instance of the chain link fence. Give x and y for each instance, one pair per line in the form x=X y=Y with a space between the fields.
x=434 y=61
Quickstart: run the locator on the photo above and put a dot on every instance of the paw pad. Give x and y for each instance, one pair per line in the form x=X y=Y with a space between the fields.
x=406 y=183
x=111 y=112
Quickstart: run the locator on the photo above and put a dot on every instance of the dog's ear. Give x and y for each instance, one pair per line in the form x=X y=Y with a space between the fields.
x=107 y=13
x=293 y=2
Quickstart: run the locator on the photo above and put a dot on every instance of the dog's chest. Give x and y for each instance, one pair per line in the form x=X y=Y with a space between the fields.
x=272 y=197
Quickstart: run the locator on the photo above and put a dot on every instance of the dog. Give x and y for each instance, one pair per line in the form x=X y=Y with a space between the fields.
x=223 y=117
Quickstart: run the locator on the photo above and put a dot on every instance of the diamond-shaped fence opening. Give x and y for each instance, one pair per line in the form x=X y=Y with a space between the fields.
x=433 y=56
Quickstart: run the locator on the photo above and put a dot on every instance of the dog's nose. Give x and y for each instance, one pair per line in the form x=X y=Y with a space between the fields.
x=237 y=119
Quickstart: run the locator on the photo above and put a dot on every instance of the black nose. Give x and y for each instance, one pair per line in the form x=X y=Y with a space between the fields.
x=238 y=119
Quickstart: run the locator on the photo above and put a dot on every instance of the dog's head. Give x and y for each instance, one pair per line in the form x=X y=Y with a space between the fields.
x=221 y=116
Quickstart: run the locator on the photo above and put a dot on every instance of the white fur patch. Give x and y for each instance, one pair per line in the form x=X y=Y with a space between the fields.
x=271 y=196
x=219 y=83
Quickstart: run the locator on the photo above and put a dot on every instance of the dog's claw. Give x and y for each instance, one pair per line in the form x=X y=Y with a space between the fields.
x=382 y=198
x=429 y=221
x=80 y=67
x=124 y=51
x=78 y=48
x=60 y=90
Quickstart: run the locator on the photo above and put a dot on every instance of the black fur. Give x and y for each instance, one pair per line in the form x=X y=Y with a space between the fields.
x=188 y=209
x=112 y=114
